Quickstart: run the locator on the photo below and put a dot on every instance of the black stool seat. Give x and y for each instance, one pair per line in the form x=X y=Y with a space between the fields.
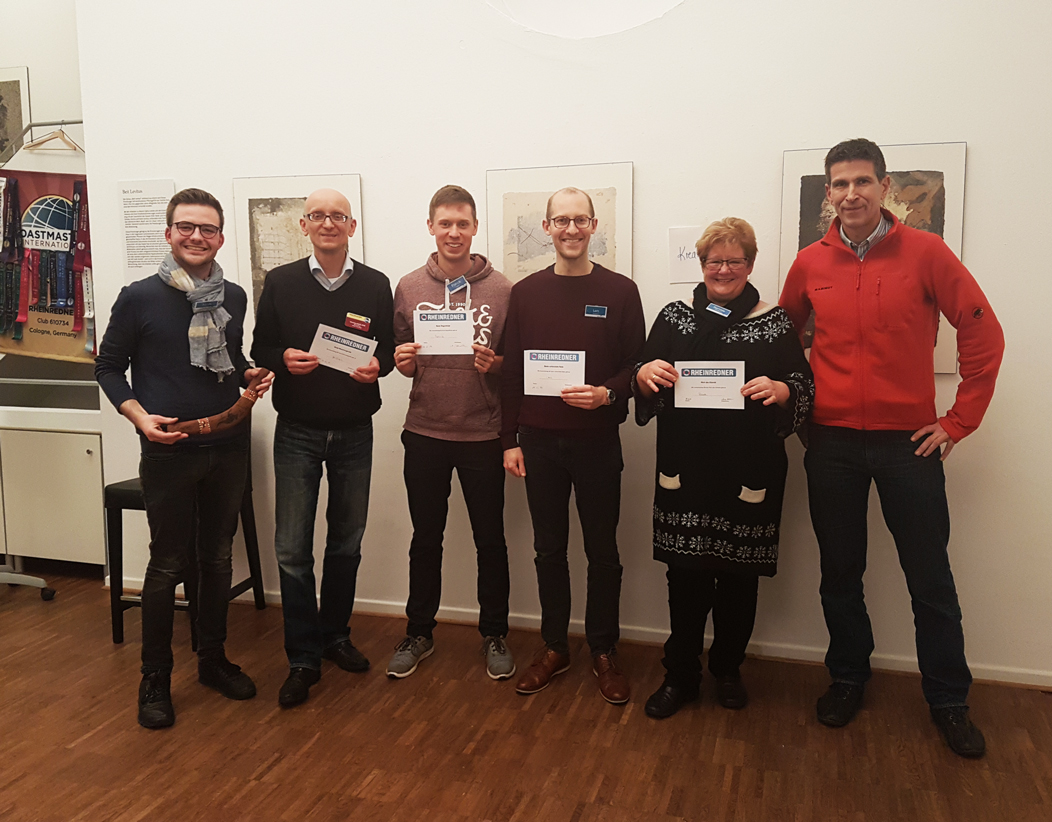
x=127 y=495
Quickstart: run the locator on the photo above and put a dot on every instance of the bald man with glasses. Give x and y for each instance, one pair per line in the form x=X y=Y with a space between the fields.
x=324 y=424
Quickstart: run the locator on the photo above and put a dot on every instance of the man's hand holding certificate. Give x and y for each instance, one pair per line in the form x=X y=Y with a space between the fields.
x=547 y=373
x=341 y=349
x=444 y=332
x=710 y=384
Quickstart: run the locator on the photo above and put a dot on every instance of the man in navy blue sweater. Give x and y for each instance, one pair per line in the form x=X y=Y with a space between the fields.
x=324 y=422
x=181 y=329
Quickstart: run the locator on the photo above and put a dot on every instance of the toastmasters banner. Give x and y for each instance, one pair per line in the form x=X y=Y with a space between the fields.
x=46 y=298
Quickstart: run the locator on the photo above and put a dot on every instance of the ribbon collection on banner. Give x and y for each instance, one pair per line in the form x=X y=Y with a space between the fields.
x=45 y=266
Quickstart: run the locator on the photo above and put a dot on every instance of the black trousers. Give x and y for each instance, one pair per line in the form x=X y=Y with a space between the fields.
x=592 y=467
x=175 y=481
x=428 y=471
x=692 y=593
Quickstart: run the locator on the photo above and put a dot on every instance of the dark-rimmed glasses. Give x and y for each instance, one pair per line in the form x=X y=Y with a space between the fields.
x=320 y=217
x=736 y=264
x=581 y=221
x=208 y=231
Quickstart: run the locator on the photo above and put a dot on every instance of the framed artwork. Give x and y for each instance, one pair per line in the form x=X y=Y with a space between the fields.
x=927 y=193
x=15 y=112
x=516 y=199
x=267 y=212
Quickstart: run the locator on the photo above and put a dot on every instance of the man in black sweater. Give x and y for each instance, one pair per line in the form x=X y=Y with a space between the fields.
x=181 y=331
x=324 y=419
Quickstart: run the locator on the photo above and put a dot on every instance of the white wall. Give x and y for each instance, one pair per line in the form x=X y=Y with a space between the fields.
x=703 y=101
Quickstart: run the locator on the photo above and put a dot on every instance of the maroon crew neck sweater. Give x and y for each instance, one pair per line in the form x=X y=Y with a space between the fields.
x=547 y=311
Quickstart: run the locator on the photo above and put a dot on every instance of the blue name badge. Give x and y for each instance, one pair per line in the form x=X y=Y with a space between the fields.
x=595 y=311
x=718 y=309
x=457 y=284
x=206 y=305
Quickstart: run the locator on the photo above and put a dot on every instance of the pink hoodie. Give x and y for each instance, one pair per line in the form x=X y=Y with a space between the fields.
x=450 y=400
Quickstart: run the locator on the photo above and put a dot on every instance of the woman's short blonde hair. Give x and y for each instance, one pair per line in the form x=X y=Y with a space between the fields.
x=728 y=230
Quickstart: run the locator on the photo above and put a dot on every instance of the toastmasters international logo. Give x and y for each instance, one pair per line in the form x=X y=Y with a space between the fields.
x=48 y=223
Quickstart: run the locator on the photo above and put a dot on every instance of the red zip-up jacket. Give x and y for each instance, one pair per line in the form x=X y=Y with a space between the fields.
x=875 y=326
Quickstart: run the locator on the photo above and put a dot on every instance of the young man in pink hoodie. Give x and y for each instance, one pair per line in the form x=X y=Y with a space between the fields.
x=453 y=422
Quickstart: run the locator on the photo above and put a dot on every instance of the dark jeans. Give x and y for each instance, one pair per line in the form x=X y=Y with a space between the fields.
x=692 y=593
x=300 y=453
x=183 y=487
x=428 y=471
x=841 y=463
x=592 y=467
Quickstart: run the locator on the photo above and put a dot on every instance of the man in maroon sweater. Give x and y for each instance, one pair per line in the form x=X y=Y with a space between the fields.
x=571 y=440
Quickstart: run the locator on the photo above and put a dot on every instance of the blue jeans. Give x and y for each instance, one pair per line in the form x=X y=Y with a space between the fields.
x=841 y=463
x=193 y=496
x=299 y=454
x=592 y=467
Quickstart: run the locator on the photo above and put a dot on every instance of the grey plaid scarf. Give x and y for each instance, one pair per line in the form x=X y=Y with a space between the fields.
x=208 y=327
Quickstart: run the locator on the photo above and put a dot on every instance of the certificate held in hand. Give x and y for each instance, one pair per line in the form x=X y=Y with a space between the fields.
x=547 y=373
x=443 y=332
x=341 y=350
x=710 y=384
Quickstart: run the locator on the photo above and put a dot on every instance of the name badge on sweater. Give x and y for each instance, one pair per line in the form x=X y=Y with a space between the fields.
x=718 y=309
x=357 y=322
x=595 y=311
x=206 y=305
x=457 y=284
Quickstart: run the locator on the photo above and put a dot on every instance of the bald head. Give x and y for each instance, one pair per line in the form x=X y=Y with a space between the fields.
x=328 y=222
x=329 y=201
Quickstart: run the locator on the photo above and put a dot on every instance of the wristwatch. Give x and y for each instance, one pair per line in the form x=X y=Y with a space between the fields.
x=611 y=397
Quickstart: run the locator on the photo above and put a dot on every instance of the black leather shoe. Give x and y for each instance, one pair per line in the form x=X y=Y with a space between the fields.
x=731 y=693
x=959 y=731
x=838 y=706
x=220 y=673
x=668 y=699
x=344 y=654
x=297 y=686
x=155 y=701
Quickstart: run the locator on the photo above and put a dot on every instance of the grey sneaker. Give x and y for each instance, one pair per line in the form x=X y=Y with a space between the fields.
x=499 y=662
x=408 y=654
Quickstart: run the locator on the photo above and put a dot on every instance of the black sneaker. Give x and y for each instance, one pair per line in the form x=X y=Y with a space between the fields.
x=346 y=656
x=155 y=700
x=838 y=706
x=220 y=673
x=959 y=731
x=296 y=688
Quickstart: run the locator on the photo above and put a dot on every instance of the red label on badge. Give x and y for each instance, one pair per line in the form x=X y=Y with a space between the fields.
x=357 y=322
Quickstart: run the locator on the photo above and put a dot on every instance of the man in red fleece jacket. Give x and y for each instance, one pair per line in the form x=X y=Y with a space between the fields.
x=877 y=288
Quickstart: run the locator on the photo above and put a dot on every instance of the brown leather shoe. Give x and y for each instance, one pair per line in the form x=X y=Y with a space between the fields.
x=545 y=665
x=613 y=684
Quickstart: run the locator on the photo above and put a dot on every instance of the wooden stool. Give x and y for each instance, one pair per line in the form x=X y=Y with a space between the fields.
x=127 y=496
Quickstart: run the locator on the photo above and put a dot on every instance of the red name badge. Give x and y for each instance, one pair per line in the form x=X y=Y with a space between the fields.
x=357 y=322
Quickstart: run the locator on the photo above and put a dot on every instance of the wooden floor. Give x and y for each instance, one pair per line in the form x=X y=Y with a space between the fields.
x=449 y=744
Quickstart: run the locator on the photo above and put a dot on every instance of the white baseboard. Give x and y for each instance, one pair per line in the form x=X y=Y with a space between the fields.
x=656 y=636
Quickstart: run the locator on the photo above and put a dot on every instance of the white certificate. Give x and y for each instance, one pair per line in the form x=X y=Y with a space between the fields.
x=547 y=373
x=341 y=349
x=710 y=384
x=443 y=332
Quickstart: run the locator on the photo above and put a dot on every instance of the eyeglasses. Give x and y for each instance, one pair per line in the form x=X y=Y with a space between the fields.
x=320 y=217
x=737 y=264
x=187 y=229
x=581 y=221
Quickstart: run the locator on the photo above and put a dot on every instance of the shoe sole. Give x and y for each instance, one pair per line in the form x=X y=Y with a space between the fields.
x=154 y=726
x=395 y=675
x=498 y=677
x=545 y=685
